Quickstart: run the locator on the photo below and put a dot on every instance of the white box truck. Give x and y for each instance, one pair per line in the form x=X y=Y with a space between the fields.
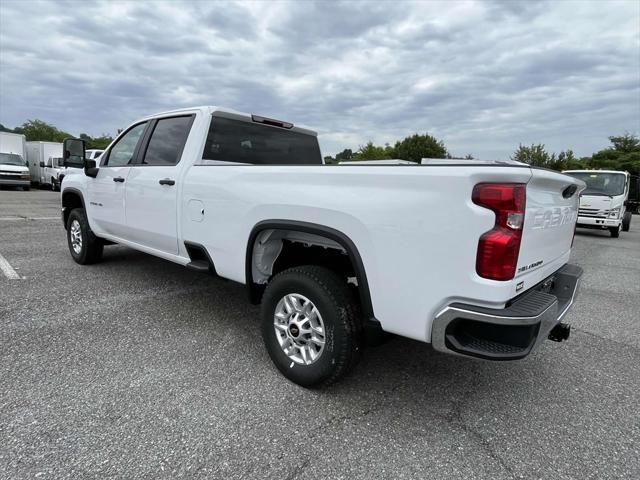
x=14 y=170
x=38 y=154
x=603 y=204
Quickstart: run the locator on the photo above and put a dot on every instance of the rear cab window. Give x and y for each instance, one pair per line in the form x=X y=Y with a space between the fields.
x=243 y=142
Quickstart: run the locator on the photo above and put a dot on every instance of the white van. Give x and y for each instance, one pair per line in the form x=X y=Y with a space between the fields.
x=14 y=168
x=603 y=204
x=38 y=154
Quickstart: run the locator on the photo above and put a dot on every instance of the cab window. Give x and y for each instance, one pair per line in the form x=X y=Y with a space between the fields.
x=167 y=141
x=122 y=152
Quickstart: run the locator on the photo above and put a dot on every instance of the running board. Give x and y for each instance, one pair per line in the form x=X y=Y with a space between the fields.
x=200 y=259
x=198 y=266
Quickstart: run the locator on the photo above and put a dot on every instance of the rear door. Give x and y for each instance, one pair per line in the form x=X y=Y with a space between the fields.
x=153 y=184
x=106 y=191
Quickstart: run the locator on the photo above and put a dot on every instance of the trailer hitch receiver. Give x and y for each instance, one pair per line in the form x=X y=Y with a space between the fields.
x=560 y=332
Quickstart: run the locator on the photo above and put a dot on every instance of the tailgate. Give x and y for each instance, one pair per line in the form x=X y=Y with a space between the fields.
x=549 y=224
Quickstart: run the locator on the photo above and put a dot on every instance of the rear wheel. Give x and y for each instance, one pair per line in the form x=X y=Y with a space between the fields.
x=84 y=246
x=311 y=325
x=615 y=231
x=626 y=221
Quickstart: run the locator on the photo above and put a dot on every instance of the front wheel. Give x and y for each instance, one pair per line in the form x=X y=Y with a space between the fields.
x=311 y=325
x=84 y=246
x=615 y=231
x=626 y=221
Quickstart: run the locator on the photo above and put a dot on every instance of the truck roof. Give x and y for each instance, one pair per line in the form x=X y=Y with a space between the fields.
x=227 y=113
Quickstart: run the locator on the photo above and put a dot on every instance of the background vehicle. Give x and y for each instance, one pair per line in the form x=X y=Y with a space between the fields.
x=633 y=203
x=14 y=168
x=91 y=154
x=53 y=171
x=603 y=204
x=468 y=255
x=38 y=154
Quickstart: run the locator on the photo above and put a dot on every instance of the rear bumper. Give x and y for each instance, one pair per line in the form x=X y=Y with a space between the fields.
x=593 y=222
x=510 y=333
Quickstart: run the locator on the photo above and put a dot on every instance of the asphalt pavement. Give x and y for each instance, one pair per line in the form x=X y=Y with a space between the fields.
x=139 y=368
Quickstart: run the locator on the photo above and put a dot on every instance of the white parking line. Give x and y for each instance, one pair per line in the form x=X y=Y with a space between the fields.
x=8 y=219
x=7 y=269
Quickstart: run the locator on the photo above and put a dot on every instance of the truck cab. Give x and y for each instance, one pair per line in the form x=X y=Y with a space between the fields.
x=603 y=204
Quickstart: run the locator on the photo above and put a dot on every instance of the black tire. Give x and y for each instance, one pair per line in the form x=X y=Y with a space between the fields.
x=626 y=221
x=90 y=250
x=615 y=231
x=342 y=324
x=26 y=189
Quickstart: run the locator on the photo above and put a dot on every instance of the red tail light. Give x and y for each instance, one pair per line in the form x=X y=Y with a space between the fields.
x=498 y=248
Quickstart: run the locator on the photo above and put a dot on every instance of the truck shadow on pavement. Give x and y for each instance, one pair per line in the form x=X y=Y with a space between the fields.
x=218 y=311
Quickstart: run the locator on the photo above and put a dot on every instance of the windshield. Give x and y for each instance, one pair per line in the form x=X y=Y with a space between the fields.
x=609 y=184
x=12 y=159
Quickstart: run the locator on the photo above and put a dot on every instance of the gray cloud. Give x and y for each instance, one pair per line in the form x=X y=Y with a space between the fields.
x=481 y=76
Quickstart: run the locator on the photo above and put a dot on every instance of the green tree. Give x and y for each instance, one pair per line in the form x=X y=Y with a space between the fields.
x=623 y=154
x=626 y=143
x=369 y=151
x=416 y=147
x=37 y=130
x=100 y=143
x=536 y=155
x=346 y=154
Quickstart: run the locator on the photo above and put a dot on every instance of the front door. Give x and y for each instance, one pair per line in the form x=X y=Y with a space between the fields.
x=106 y=191
x=153 y=185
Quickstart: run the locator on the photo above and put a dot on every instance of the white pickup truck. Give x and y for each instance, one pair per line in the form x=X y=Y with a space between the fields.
x=470 y=256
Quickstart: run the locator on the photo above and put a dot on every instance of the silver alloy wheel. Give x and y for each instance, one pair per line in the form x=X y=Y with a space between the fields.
x=76 y=237
x=299 y=329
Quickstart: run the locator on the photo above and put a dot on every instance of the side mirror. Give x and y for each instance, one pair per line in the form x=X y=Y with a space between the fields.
x=42 y=164
x=73 y=153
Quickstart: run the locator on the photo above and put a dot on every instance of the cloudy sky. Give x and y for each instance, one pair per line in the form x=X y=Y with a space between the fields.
x=482 y=76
